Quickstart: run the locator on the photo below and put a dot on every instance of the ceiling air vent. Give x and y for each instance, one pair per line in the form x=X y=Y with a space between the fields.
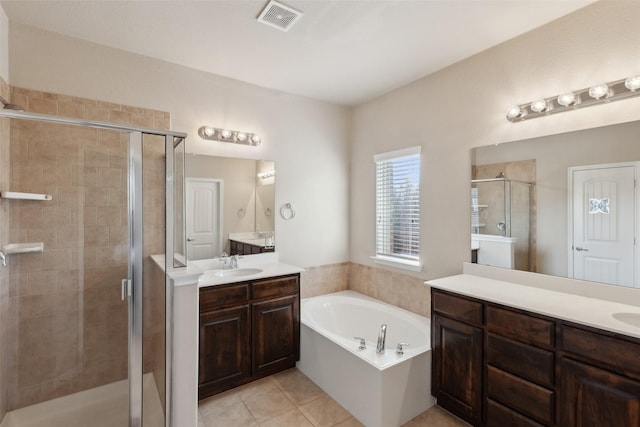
x=278 y=15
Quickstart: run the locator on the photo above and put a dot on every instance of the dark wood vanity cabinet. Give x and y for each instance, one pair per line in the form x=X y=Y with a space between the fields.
x=530 y=370
x=599 y=378
x=519 y=368
x=247 y=330
x=456 y=379
x=241 y=248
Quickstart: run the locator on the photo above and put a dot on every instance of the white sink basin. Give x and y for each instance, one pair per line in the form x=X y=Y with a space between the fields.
x=632 y=319
x=236 y=272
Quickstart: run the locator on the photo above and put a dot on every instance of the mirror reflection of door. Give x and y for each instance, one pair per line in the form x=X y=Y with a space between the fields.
x=602 y=223
x=204 y=218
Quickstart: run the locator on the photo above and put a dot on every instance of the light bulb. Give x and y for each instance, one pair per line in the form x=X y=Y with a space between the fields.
x=225 y=133
x=633 y=83
x=209 y=131
x=567 y=99
x=539 y=106
x=241 y=136
x=514 y=112
x=255 y=139
x=599 y=91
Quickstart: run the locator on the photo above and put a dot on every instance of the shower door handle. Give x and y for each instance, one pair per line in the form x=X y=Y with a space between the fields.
x=125 y=290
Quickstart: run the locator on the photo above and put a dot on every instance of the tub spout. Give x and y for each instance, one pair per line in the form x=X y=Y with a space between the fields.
x=382 y=336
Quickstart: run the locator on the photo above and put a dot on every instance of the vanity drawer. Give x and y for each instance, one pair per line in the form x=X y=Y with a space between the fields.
x=221 y=296
x=611 y=351
x=457 y=307
x=531 y=363
x=274 y=287
x=520 y=326
x=500 y=416
x=523 y=396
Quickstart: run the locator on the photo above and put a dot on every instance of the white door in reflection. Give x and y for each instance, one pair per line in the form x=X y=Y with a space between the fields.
x=602 y=205
x=204 y=218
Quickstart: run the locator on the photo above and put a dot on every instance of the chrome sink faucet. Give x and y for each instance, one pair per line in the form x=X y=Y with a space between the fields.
x=382 y=336
x=229 y=262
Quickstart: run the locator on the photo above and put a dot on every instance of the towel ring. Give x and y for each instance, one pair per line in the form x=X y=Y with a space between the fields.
x=287 y=211
x=241 y=213
x=267 y=212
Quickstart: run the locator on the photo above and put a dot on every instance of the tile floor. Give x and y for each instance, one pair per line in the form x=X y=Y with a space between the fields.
x=290 y=399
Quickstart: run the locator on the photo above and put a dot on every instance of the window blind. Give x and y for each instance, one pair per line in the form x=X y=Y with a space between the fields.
x=398 y=204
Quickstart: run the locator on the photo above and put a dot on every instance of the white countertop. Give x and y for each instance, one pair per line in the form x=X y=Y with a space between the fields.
x=268 y=262
x=574 y=308
x=203 y=271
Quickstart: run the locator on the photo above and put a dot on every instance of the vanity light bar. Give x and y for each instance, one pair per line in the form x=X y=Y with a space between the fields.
x=594 y=95
x=227 y=135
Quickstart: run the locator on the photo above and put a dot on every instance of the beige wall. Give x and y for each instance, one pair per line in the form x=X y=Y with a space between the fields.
x=463 y=106
x=307 y=139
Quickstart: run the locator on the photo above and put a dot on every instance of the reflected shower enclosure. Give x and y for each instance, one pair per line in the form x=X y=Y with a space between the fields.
x=501 y=222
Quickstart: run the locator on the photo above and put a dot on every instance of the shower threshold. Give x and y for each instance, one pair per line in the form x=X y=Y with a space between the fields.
x=104 y=406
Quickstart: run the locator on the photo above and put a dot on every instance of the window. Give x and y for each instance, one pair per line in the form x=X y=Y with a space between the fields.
x=398 y=208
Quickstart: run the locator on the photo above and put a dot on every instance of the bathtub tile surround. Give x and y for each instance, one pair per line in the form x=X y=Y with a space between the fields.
x=324 y=279
x=308 y=406
x=395 y=288
x=63 y=335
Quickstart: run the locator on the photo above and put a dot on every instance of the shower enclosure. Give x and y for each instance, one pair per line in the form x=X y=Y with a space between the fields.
x=89 y=332
x=501 y=222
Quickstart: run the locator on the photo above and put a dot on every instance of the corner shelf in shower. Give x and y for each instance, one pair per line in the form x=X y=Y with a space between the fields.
x=22 y=248
x=25 y=196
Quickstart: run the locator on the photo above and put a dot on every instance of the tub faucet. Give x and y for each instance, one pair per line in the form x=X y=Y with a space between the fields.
x=382 y=336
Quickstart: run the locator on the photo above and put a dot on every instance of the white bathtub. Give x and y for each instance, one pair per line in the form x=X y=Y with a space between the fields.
x=383 y=390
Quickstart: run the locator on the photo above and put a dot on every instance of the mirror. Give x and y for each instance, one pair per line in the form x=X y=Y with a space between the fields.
x=230 y=206
x=563 y=205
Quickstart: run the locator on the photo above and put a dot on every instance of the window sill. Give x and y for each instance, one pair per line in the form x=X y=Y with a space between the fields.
x=398 y=263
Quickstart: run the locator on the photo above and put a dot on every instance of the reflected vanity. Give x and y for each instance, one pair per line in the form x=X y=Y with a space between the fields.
x=229 y=206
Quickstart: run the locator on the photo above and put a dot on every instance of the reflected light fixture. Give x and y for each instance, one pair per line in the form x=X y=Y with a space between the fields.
x=227 y=135
x=267 y=174
x=594 y=95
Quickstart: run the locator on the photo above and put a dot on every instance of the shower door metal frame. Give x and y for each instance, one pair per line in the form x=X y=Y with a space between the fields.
x=136 y=248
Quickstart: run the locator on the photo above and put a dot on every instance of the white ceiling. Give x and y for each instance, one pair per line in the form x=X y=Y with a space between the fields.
x=342 y=51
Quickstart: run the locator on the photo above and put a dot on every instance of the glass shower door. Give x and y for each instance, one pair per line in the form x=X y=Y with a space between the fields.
x=69 y=326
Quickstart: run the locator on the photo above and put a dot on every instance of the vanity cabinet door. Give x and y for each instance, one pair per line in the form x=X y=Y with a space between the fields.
x=224 y=356
x=457 y=368
x=276 y=334
x=595 y=397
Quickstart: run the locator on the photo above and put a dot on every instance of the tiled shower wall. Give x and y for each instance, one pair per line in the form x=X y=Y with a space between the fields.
x=68 y=321
x=5 y=341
